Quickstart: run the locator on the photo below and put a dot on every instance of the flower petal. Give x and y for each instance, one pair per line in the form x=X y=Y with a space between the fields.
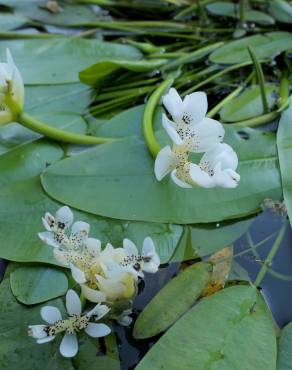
x=170 y=128
x=93 y=246
x=69 y=345
x=51 y=314
x=173 y=103
x=130 y=248
x=37 y=331
x=97 y=330
x=179 y=182
x=73 y=303
x=148 y=248
x=100 y=310
x=77 y=274
x=48 y=238
x=46 y=340
x=205 y=135
x=48 y=221
x=201 y=177
x=164 y=163
x=222 y=153
x=93 y=295
x=64 y=216
x=226 y=178
x=195 y=107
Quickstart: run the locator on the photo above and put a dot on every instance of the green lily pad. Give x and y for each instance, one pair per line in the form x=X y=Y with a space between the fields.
x=33 y=284
x=98 y=71
x=97 y=185
x=224 y=331
x=267 y=45
x=23 y=205
x=284 y=143
x=232 y=10
x=281 y=10
x=248 y=104
x=284 y=361
x=161 y=312
x=11 y=21
x=51 y=62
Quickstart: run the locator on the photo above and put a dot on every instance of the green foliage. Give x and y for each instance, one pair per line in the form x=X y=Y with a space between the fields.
x=227 y=330
x=172 y=301
x=284 y=361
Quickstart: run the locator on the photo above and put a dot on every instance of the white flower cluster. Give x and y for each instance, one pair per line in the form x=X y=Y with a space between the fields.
x=108 y=275
x=192 y=132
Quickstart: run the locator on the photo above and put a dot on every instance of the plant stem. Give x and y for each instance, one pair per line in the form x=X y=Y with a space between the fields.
x=242 y=12
x=229 y=97
x=192 y=8
x=270 y=257
x=58 y=134
x=147 y=121
x=216 y=75
x=256 y=121
x=284 y=90
x=260 y=78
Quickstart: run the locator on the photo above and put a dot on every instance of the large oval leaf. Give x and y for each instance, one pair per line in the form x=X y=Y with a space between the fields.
x=102 y=176
x=284 y=361
x=268 y=45
x=224 y=331
x=24 y=204
x=161 y=312
x=281 y=10
x=33 y=284
x=51 y=63
x=284 y=143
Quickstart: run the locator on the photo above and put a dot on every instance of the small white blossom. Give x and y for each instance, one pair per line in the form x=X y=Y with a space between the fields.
x=75 y=322
x=11 y=90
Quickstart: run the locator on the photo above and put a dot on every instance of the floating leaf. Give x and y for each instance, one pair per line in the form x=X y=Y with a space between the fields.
x=11 y=21
x=48 y=63
x=222 y=262
x=284 y=361
x=284 y=143
x=232 y=10
x=172 y=301
x=224 y=331
x=281 y=10
x=33 y=284
x=267 y=45
x=248 y=104
x=24 y=204
x=98 y=185
x=98 y=71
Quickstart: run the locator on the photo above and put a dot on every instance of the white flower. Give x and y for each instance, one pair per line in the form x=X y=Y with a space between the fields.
x=216 y=167
x=11 y=90
x=190 y=127
x=73 y=324
x=125 y=319
x=148 y=261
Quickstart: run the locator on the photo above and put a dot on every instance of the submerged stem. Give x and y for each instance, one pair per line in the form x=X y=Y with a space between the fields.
x=57 y=134
x=270 y=257
x=147 y=121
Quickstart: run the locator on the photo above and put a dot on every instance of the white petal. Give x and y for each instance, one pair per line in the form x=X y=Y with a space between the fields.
x=80 y=227
x=171 y=130
x=64 y=215
x=201 y=177
x=179 y=182
x=222 y=153
x=148 y=248
x=173 y=103
x=93 y=295
x=48 y=238
x=69 y=345
x=46 y=340
x=77 y=274
x=206 y=135
x=150 y=267
x=48 y=220
x=195 y=106
x=61 y=256
x=9 y=58
x=73 y=303
x=51 y=314
x=37 y=331
x=226 y=178
x=125 y=320
x=164 y=163
x=130 y=248
x=100 y=310
x=97 y=330
x=93 y=246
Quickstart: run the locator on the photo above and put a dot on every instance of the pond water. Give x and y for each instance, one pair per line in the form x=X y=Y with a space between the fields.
x=276 y=288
